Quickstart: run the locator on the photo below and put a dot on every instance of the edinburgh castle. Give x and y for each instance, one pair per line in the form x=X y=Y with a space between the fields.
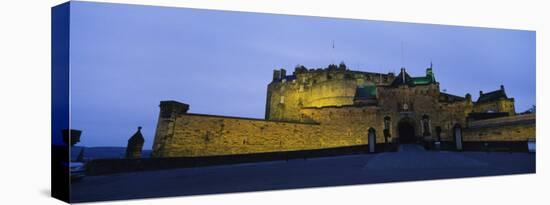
x=335 y=107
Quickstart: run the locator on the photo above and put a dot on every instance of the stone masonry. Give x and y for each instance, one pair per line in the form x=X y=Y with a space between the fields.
x=336 y=107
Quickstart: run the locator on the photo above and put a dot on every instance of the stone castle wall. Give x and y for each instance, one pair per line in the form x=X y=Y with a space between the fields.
x=185 y=134
x=334 y=90
x=315 y=88
x=316 y=109
x=513 y=128
x=502 y=105
x=422 y=101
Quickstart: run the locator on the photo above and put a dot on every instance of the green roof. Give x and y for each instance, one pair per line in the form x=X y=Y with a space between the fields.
x=412 y=81
x=422 y=80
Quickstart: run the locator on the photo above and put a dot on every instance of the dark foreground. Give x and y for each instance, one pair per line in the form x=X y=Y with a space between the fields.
x=411 y=162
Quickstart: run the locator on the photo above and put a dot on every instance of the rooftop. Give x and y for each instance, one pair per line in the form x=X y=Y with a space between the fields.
x=405 y=79
x=492 y=96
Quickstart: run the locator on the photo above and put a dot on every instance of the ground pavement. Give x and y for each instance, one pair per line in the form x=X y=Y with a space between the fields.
x=411 y=162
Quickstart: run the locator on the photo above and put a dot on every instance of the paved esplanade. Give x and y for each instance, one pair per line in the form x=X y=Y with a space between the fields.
x=412 y=156
x=411 y=162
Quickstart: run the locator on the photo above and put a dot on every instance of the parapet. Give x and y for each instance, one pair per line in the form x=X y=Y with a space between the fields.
x=279 y=74
x=171 y=107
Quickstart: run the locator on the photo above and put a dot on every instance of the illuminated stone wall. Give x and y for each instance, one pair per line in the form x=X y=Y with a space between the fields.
x=287 y=94
x=293 y=100
x=501 y=105
x=351 y=121
x=422 y=101
x=513 y=128
x=318 y=108
x=207 y=135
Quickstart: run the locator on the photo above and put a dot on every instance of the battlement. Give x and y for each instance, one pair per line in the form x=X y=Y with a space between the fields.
x=332 y=71
x=334 y=85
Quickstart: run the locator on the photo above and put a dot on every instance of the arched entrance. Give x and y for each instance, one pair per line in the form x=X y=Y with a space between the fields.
x=406 y=132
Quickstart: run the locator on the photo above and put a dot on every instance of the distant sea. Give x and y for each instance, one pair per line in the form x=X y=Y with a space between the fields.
x=103 y=152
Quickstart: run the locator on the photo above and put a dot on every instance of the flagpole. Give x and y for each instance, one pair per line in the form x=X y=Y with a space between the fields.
x=332 y=52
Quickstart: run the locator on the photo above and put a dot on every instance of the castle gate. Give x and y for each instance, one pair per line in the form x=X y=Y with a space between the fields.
x=406 y=131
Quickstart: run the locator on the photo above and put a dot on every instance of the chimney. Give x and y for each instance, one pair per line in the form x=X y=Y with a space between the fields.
x=480 y=93
x=283 y=73
x=501 y=87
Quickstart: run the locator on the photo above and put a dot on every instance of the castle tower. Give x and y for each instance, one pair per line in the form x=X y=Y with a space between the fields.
x=135 y=145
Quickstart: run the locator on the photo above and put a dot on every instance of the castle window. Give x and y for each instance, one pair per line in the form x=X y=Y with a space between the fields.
x=282 y=100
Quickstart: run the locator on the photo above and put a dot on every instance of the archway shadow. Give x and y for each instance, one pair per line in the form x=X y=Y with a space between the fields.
x=406 y=131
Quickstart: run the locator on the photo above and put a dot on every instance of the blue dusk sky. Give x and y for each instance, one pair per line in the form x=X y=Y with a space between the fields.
x=125 y=59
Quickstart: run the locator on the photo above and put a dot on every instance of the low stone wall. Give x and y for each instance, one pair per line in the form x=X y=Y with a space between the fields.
x=209 y=135
x=515 y=119
x=512 y=128
x=182 y=134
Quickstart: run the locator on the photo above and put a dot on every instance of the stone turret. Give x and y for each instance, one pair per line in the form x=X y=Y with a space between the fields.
x=135 y=145
x=170 y=108
x=169 y=111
